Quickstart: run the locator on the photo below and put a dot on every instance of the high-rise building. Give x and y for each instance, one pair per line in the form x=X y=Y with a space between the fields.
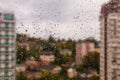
x=110 y=41
x=82 y=48
x=7 y=46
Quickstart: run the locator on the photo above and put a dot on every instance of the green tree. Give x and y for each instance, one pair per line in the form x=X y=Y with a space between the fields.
x=21 y=77
x=49 y=76
x=80 y=68
x=75 y=78
x=61 y=59
x=63 y=73
x=47 y=46
x=94 y=77
x=70 y=44
x=92 y=60
x=21 y=37
x=34 y=52
x=22 y=55
x=51 y=39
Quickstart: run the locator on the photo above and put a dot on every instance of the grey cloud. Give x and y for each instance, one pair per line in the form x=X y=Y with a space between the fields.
x=40 y=15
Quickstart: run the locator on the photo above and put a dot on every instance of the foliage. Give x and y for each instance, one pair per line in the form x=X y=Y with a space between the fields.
x=34 y=52
x=61 y=59
x=80 y=68
x=91 y=60
x=75 y=78
x=21 y=55
x=21 y=37
x=21 y=77
x=49 y=76
x=63 y=73
x=94 y=77
x=47 y=46
x=69 y=44
x=51 y=39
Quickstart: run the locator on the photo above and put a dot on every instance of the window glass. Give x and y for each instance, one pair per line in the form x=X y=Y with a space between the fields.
x=58 y=39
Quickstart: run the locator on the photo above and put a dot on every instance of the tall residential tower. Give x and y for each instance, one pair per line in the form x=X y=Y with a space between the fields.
x=7 y=46
x=110 y=41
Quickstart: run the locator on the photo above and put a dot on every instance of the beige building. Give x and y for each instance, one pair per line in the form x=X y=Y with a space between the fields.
x=110 y=41
x=20 y=68
x=66 y=52
x=71 y=73
x=47 y=56
x=82 y=48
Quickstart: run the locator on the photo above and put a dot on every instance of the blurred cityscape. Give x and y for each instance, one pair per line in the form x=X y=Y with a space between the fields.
x=23 y=57
x=57 y=59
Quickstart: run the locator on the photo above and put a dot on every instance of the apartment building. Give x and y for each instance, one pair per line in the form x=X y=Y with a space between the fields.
x=7 y=45
x=110 y=41
x=82 y=48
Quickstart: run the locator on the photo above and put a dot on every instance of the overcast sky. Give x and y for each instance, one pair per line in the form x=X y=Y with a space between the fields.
x=76 y=19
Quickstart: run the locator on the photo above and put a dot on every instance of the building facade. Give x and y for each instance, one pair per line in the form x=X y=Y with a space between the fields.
x=7 y=46
x=66 y=52
x=47 y=57
x=82 y=48
x=110 y=41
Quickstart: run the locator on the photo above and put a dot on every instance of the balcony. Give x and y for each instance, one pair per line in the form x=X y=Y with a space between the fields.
x=6 y=76
x=7 y=28
x=6 y=44
x=6 y=60
x=6 y=36
x=7 y=52
x=6 y=68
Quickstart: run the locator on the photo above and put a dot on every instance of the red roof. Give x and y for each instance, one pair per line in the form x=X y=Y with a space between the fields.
x=43 y=63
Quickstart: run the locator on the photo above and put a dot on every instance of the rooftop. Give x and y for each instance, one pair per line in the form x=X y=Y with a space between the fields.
x=110 y=7
x=46 y=53
x=115 y=0
x=47 y=67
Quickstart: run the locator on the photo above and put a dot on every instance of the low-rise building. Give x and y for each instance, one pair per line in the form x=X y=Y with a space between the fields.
x=82 y=48
x=47 y=57
x=87 y=74
x=66 y=52
x=20 y=68
x=32 y=69
x=32 y=65
x=50 y=68
x=32 y=75
x=72 y=73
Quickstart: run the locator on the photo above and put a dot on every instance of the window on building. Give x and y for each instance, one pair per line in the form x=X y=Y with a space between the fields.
x=114 y=57
x=114 y=74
